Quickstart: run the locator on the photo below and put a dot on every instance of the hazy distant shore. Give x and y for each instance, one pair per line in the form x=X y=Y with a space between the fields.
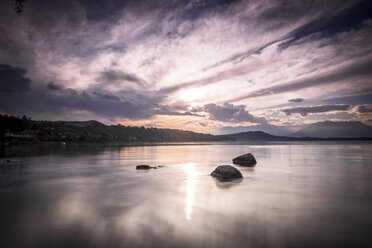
x=15 y=130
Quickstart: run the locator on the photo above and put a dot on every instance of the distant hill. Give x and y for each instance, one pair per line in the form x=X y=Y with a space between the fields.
x=325 y=129
x=13 y=128
x=255 y=135
x=25 y=130
x=262 y=136
x=329 y=129
x=267 y=128
x=83 y=123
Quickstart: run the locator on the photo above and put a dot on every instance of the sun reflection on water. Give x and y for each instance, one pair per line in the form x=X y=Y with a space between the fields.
x=190 y=188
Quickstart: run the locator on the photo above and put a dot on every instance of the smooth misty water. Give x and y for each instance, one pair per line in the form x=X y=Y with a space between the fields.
x=310 y=194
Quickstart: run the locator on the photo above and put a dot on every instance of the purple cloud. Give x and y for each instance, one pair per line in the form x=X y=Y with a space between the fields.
x=304 y=111
x=231 y=113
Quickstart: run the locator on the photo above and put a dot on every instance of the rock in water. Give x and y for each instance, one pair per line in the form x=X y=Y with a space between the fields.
x=226 y=173
x=144 y=167
x=245 y=160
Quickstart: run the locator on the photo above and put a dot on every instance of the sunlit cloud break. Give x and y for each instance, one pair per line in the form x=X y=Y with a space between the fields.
x=197 y=65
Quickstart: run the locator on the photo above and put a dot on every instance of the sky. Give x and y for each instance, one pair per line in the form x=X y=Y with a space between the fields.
x=194 y=65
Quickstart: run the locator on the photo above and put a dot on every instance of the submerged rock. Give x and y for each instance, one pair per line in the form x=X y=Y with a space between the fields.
x=144 y=167
x=226 y=173
x=245 y=160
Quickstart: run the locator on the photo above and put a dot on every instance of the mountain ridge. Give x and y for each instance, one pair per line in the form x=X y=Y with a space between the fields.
x=263 y=136
x=94 y=131
x=324 y=129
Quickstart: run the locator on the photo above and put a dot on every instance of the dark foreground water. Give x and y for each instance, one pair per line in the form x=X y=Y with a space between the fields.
x=310 y=194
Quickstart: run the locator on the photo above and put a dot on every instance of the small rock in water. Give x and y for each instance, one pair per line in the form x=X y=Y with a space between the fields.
x=226 y=173
x=245 y=160
x=144 y=167
x=8 y=160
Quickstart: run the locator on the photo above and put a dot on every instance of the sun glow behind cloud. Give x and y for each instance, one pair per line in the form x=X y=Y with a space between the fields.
x=161 y=63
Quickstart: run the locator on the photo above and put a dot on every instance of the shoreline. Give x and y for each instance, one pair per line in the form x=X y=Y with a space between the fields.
x=183 y=143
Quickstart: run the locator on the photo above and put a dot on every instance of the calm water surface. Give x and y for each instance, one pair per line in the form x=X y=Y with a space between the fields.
x=310 y=194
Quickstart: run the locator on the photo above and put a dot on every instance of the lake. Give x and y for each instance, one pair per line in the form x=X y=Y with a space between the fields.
x=300 y=194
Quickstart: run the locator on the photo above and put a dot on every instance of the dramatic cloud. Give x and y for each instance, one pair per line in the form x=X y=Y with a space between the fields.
x=203 y=124
x=113 y=76
x=353 y=70
x=174 y=61
x=105 y=96
x=296 y=100
x=231 y=113
x=168 y=110
x=52 y=86
x=304 y=111
x=364 y=108
x=61 y=102
x=363 y=113
x=13 y=80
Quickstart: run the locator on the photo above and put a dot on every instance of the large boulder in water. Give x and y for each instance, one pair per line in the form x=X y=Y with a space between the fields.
x=245 y=160
x=226 y=173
